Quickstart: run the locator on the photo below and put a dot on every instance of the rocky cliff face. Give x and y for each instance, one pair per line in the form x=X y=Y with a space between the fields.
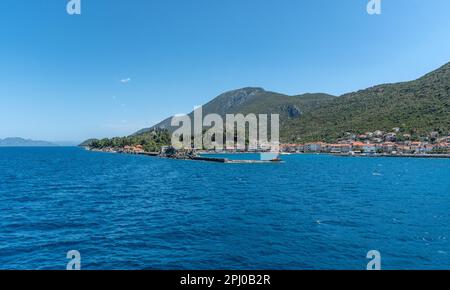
x=256 y=101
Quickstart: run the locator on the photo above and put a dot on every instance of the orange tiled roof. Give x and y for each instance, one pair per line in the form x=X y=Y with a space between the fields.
x=358 y=144
x=339 y=145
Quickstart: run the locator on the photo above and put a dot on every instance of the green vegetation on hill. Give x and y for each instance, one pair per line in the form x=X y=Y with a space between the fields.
x=417 y=107
x=87 y=143
x=256 y=101
x=151 y=141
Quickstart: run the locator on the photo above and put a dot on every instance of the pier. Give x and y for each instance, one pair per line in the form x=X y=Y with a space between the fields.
x=226 y=160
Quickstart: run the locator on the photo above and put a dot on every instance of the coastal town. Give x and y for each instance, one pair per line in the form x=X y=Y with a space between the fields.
x=372 y=144
x=378 y=143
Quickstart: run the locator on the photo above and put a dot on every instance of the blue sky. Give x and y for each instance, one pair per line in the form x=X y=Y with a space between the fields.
x=60 y=75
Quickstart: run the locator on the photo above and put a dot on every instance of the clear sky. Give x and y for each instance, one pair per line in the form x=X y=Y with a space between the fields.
x=127 y=64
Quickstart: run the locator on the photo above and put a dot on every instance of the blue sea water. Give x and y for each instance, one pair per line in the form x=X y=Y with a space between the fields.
x=136 y=212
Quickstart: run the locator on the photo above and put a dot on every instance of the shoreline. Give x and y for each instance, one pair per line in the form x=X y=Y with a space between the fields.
x=231 y=161
x=187 y=158
x=419 y=156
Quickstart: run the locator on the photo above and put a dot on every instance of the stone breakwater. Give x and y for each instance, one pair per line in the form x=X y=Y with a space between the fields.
x=192 y=156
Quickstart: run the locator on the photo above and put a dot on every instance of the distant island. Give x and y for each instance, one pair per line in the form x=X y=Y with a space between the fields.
x=21 y=142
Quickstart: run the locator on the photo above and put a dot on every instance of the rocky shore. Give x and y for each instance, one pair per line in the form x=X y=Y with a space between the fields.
x=171 y=153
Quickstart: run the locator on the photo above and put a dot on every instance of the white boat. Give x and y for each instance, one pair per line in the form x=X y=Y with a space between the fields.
x=269 y=156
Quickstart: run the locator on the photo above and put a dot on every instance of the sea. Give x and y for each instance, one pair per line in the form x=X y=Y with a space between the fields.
x=137 y=212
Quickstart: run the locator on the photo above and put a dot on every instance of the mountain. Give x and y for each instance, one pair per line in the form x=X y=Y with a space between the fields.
x=257 y=101
x=20 y=142
x=417 y=107
x=87 y=142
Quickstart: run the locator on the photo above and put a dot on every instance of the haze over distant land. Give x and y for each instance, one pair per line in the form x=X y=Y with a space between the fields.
x=127 y=65
x=21 y=142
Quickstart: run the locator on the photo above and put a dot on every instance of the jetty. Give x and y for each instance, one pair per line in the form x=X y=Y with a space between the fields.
x=188 y=155
x=153 y=154
x=226 y=160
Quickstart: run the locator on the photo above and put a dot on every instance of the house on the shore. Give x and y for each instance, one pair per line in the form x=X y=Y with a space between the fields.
x=390 y=137
x=360 y=147
x=369 y=148
x=406 y=149
x=442 y=147
x=292 y=148
x=314 y=147
x=357 y=147
x=388 y=147
x=378 y=133
x=339 y=148
x=134 y=149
